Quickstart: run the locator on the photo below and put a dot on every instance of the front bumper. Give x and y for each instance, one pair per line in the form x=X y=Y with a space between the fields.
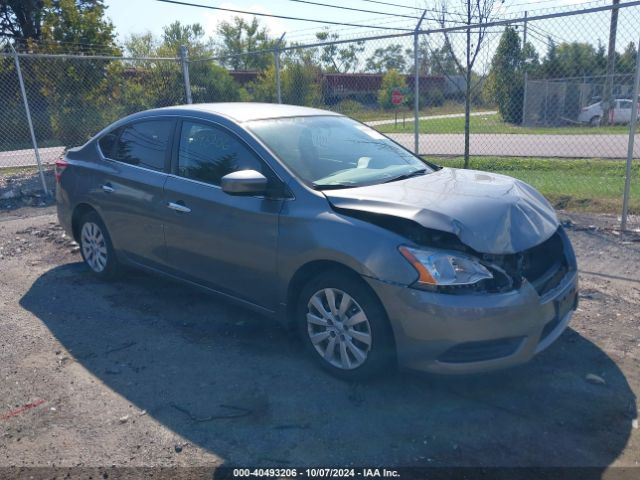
x=455 y=334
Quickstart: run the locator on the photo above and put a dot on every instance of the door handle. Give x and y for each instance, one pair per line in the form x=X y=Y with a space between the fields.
x=107 y=188
x=178 y=207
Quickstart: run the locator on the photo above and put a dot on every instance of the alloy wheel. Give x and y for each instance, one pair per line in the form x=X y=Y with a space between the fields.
x=338 y=328
x=94 y=246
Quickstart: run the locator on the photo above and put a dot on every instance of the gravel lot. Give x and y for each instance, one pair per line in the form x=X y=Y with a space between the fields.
x=147 y=372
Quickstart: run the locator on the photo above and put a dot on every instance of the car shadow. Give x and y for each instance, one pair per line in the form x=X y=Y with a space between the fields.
x=238 y=385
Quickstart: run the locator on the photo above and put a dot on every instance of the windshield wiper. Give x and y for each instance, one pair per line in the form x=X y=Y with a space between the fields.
x=404 y=176
x=333 y=186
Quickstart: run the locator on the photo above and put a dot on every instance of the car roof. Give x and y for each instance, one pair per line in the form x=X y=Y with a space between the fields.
x=247 y=111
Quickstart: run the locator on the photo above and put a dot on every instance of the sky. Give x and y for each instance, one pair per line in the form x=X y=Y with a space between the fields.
x=130 y=16
x=137 y=16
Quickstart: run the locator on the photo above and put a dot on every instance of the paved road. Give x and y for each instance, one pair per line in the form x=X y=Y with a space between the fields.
x=566 y=146
x=569 y=146
x=19 y=158
x=431 y=117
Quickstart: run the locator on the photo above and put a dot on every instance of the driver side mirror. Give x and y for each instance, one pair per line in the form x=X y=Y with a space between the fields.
x=244 y=182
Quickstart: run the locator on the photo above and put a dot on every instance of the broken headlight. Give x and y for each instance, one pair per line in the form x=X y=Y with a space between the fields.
x=445 y=268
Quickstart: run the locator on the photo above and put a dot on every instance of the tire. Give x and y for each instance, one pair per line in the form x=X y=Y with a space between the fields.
x=595 y=121
x=347 y=350
x=96 y=247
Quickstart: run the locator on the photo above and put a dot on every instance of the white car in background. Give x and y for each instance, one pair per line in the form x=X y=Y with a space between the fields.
x=621 y=113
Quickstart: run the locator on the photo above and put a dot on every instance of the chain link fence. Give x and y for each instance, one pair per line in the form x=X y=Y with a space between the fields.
x=539 y=98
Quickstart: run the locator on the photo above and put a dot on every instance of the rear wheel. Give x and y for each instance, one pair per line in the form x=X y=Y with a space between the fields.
x=344 y=327
x=96 y=248
x=595 y=121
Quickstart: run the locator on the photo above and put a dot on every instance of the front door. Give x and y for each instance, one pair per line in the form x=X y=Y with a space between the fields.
x=225 y=242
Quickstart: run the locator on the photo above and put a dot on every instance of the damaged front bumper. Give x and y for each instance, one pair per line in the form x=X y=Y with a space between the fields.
x=455 y=334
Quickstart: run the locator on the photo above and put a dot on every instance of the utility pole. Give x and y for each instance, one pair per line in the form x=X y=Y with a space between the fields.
x=276 y=58
x=416 y=87
x=184 y=60
x=607 y=100
x=524 y=67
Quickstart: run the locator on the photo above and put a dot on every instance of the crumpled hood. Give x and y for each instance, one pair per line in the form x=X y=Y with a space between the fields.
x=488 y=212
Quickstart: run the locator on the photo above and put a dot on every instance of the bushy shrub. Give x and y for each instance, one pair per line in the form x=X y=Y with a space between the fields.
x=391 y=81
x=350 y=107
x=434 y=98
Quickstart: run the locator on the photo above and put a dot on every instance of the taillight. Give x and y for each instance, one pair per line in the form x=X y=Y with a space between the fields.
x=61 y=165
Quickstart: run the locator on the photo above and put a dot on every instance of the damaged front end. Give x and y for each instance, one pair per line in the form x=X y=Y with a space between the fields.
x=543 y=265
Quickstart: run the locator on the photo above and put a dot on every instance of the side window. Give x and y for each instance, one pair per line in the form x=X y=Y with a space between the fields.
x=144 y=144
x=207 y=153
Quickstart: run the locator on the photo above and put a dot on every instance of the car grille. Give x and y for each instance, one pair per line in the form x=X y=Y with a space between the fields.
x=545 y=265
x=550 y=327
x=481 y=351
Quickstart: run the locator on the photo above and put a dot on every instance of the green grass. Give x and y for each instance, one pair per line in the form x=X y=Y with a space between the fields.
x=494 y=124
x=378 y=114
x=11 y=171
x=590 y=185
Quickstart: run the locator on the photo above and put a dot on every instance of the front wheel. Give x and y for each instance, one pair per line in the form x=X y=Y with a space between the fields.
x=595 y=121
x=96 y=248
x=344 y=326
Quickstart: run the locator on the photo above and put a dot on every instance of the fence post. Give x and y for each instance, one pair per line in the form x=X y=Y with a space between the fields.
x=276 y=58
x=524 y=99
x=546 y=102
x=184 y=60
x=28 y=112
x=416 y=87
x=632 y=134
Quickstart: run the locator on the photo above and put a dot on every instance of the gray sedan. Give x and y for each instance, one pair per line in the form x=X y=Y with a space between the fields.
x=376 y=256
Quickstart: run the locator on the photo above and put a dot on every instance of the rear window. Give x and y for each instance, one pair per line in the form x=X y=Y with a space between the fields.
x=107 y=143
x=144 y=144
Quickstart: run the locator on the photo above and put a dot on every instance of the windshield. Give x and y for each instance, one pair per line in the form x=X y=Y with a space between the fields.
x=336 y=152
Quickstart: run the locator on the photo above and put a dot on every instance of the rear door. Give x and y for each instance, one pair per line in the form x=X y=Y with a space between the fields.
x=228 y=243
x=137 y=159
x=623 y=111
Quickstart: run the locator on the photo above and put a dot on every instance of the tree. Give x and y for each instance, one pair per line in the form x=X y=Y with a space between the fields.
x=21 y=19
x=192 y=36
x=505 y=81
x=443 y=62
x=56 y=25
x=300 y=83
x=141 y=45
x=627 y=61
x=212 y=83
x=239 y=37
x=473 y=12
x=339 y=58
x=62 y=93
x=263 y=89
x=433 y=60
x=387 y=58
x=391 y=81
x=159 y=83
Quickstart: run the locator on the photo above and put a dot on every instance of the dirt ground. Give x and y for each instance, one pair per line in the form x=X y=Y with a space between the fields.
x=147 y=372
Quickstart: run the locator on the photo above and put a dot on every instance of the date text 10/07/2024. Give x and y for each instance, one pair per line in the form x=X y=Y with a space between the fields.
x=314 y=473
